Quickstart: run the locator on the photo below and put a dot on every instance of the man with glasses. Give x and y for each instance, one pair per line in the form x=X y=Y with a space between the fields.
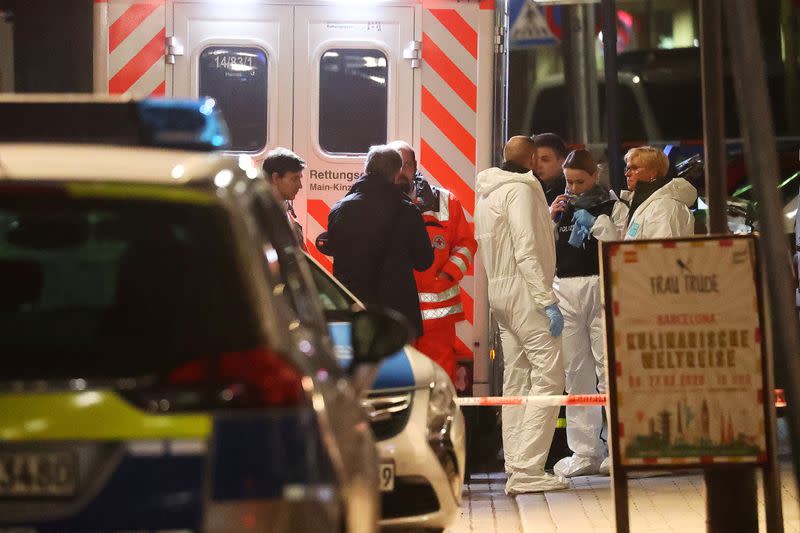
x=659 y=205
x=454 y=248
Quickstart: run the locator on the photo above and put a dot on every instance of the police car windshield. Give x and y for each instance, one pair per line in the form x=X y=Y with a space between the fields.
x=109 y=288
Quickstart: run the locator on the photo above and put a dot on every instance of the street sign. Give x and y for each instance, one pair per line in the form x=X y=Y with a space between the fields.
x=535 y=23
x=527 y=26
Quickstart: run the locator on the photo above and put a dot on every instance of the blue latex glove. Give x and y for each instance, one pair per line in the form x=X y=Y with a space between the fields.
x=583 y=222
x=556 y=319
x=584 y=218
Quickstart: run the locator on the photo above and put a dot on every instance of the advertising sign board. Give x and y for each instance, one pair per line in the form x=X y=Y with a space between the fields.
x=687 y=364
x=686 y=351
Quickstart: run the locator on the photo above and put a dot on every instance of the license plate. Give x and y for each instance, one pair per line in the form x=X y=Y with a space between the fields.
x=386 y=476
x=37 y=474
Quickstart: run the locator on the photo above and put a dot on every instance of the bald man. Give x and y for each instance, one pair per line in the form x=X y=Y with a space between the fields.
x=516 y=243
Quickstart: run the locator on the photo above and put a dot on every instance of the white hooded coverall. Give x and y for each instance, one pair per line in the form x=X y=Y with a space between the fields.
x=584 y=363
x=663 y=215
x=515 y=236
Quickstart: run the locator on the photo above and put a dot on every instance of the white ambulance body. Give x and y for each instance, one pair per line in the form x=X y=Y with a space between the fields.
x=420 y=71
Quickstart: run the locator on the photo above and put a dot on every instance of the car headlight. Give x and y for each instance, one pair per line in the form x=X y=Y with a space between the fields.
x=441 y=413
x=441 y=404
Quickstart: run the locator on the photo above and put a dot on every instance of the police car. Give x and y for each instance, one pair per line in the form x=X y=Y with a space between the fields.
x=166 y=362
x=418 y=427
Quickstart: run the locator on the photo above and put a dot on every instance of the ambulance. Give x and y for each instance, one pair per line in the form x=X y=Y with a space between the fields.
x=328 y=79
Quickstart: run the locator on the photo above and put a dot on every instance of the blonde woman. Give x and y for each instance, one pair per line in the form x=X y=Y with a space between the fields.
x=659 y=205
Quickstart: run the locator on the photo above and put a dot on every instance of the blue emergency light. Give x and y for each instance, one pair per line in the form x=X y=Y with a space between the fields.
x=154 y=122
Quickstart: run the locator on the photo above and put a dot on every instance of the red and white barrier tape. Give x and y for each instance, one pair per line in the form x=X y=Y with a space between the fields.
x=541 y=401
x=554 y=401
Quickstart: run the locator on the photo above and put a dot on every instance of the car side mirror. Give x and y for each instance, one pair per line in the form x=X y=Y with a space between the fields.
x=378 y=333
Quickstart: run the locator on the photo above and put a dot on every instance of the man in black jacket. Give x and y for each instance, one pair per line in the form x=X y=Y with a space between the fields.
x=377 y=238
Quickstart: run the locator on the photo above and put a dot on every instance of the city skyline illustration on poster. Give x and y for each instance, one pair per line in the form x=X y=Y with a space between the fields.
x=687 y=347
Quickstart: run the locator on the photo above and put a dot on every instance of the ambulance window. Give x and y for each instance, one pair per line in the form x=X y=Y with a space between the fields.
x=353 y=100
x=236 y=77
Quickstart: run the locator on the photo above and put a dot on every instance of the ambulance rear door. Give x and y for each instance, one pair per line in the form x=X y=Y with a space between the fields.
x=240 y=54
x=353 y=89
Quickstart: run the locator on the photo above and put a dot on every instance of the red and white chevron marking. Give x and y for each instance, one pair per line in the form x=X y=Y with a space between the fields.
x=448 y=100
x=136 y=42
x=318 y=222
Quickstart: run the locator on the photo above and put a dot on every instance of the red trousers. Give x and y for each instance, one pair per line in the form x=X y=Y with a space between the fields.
x=439 y=343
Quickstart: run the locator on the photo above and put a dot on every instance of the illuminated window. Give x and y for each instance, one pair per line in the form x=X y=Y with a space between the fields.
x=236 y=77
x=353 y=100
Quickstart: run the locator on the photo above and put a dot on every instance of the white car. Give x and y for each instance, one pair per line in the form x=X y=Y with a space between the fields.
x=418 y=427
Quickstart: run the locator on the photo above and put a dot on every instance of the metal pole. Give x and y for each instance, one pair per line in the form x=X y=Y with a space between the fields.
x=578 y=87
x=615 y=174
x=755 y=118
x=100 y=48
x=592 y=110
x=771 y=471
x=731 y=502
x=792 y=83
x=617 y=180
x=500 y=112
x=713 y=114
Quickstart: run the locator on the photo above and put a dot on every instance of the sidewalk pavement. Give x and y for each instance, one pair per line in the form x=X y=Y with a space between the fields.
x=662 y=503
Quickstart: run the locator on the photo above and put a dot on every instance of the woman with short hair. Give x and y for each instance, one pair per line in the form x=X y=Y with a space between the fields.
x=659 y=205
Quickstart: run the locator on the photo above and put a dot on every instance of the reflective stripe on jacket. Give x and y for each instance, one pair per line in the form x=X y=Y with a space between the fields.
x=454 y=249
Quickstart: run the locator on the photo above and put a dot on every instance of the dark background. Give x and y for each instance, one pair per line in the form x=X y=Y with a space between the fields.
x=52 y=44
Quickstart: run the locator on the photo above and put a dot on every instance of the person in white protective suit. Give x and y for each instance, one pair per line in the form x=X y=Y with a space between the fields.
x=658 y=207
x=515 y=236
x=577 y=286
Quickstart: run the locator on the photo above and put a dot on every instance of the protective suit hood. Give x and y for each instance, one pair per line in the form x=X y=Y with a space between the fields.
x=677 y=189
x=665 y=214
x=492 y=178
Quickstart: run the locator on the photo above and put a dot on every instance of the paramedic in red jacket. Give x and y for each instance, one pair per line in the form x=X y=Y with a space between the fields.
x=454 y=248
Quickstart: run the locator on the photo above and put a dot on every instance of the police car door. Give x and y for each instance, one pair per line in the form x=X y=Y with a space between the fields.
x=240 y=54
x=353 y=89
